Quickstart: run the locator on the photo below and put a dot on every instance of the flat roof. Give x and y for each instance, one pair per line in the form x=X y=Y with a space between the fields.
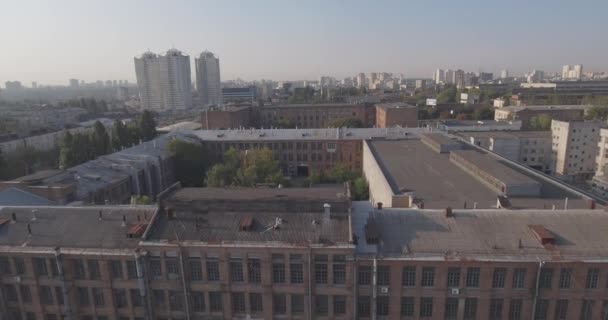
x=72 y=227
x=395 y=105
x=486 y=234
x=493 y=167
x=411 y=166
x=307 y=134
x=467 y=123
x=224 y=228
x=546 y=107
x=505 y=134
x=334 y=192
x=439 y=138
x=312 y=105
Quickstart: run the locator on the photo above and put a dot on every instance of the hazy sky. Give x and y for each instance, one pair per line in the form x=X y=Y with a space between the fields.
x=50 y=41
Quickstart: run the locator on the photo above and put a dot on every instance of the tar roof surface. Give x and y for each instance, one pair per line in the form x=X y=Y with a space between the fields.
x=489 y=234
x=505 y=134
x=409 y=165
x=72 y=227
x=329 y=134
x=314 y=193
x=493 y=167
x=223 y=228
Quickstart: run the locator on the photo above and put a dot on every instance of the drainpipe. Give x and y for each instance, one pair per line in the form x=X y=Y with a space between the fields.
x=540 y=266
x=64 y=287
x=184 y=286
x=142 y=283
x=309 y=283
x=356 y=288
x=374 y=288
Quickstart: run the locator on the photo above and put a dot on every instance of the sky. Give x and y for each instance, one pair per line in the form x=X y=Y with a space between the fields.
x=52 y=41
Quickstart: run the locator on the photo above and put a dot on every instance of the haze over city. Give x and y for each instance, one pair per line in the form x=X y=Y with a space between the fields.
x=50 y=42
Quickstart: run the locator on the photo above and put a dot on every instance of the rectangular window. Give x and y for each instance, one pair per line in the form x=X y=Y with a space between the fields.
x=176 y=300
x=5 y=266
x=136 y=298
x=93 y=266
x=605 y=310
x=254 y=273
x=40 y=267
x=296 y=268
x=453 y=277
x=215 y=301
x=408 y=278
x=321 y=305
x=339 y=269
x=115 y=268
x=120 y=298
x=238 y=302
x=451 y=308
x=587 y=309
x=10 y=293
x=213 y=269
x=155 y=268
x=592 y=279
x=407 y=306
x=546 y=276
x=382 y=305
x=83 y=297
x=236 y=270
x=426 y=307
x=339 y=305
x=321 y=269
x=19 y=265
x=198 y=301
x=565 y=276
x=297 y=303
x=59 y=295
x=46 y=295
x=196 y=269
x=278 y=268
x=383 y=276
x=561 y=309
x=131 y=269
x=498 y=278
x=26 y=294
x=98 y=298
x=279 y=305
x=542 y=305
x=172 y=268
x=364 y=306
x=364 y=275
x=495 y=309
x=78 y=268
x=255 y=302
x=54 y=270
x=472 y=277
x=158 y=296
x=515 y=309
x=428 y=277
x=470 y=308
x=519 y=278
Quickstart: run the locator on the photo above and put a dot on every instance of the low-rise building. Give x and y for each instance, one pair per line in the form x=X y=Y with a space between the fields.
x=555 y=112
x=396 y=114
x=452 y=125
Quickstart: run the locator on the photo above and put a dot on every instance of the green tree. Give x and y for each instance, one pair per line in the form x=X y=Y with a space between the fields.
x=360 y=189
x=447 y=95
x=141 y=200
x=190 y=161
x=256 y=167
x=100 y=140
x=341 y=173
x=147 y=126
x=67 y=155
x=597 y=113
x=485 y=113
x=541 y=122
x=120 y=135
x=346 y=123
x=225 y=174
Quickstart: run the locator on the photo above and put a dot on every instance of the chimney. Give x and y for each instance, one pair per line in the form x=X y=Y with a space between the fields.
x=99 y=215
x=327 y=211
x=124 y=220
x=379 y=205
x=14 y=217
x=29 y=229
x=449 y=213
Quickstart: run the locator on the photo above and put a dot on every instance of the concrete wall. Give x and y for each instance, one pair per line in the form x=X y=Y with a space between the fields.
x=379 y=188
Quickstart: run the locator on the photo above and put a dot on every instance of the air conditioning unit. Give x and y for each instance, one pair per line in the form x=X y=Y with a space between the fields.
x=455 y=291
x=384 y=290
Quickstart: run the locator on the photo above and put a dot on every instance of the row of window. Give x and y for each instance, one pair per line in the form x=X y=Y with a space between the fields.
x=277 y=146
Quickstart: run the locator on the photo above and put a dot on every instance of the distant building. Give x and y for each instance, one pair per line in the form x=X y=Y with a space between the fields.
x=504 y=74
x=486 y=76
x=535 y=76
x=396 y=114
x=13 y=85
x=240 y=96
x=74 y=83
x=555 y=112
x=575 y=145
x=439 y=76
x=361 y=80
x=164 y=80
x=572 y=72
x=420 y=84
x=469 y=98
x=459 y=79
x=208 y=82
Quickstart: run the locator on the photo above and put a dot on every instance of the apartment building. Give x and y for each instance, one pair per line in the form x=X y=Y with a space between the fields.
x=575 y=145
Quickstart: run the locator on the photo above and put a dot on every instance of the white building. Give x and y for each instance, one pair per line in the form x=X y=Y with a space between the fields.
x=572 y=72
x=439 y=76
x=504 y=74
x=450 y=76
x=208 y=83
x=535 y=76
x=575 y=145
x=164 y=80
x=361 y=80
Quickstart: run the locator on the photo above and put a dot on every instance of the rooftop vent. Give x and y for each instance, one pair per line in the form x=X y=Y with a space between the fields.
x=542 y=234
x=246 y=223
x=449 y=213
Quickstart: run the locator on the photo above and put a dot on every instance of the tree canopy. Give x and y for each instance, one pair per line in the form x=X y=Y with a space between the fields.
x=346 y=123
x=190 y=161
x=255 y=167
x=540 y=122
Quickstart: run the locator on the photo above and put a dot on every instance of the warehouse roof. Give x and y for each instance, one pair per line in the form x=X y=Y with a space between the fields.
x=72 y=227
x=332 y=192
x=489 y=234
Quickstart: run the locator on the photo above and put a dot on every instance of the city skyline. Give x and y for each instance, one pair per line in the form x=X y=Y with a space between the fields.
x=290 y=41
